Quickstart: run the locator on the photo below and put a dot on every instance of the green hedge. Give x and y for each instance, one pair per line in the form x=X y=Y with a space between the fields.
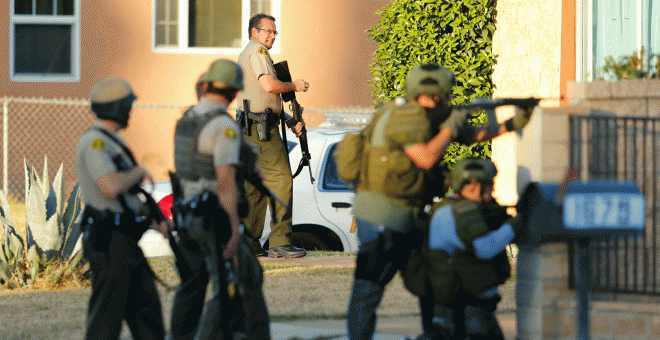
x=455 y=34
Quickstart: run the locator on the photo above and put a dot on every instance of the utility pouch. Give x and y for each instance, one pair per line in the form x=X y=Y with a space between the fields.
x=475 y=275
x=97 y=229
x=348 y=156
x=201 y=213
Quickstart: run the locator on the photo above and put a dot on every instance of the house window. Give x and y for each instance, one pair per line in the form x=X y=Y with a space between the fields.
x=207 y=26
x=44 y=40
x=614 y=28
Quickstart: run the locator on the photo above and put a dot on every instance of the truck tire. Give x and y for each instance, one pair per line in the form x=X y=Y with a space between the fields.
x=308 y=241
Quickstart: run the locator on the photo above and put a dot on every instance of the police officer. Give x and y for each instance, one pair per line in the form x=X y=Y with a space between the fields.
x=113 y=222
x=207 y=156
x=390 y=191
x=467 y=239
x=189 y=298
x=262 y=89
x=403 y=142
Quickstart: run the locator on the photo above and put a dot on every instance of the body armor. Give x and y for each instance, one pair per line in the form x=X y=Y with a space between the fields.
x=189 y=163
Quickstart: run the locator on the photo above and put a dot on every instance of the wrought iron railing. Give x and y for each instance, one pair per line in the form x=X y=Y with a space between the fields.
x=622 y=148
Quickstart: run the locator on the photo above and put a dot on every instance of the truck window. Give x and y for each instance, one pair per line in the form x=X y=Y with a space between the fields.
x=331 y=180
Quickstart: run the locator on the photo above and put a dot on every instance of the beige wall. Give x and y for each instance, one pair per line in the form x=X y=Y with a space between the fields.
x=527 y=41
x=324 y=41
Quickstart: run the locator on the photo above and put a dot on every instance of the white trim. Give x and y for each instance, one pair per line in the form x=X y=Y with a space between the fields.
x=72 y=20
x=584 y=36
x=590 y=41
x=579 y=44
x=183 y=24
x=639 y=23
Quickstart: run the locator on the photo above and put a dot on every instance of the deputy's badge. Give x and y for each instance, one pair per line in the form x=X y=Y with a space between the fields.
x=98 y=144
x=263 y=51
x=230 y=133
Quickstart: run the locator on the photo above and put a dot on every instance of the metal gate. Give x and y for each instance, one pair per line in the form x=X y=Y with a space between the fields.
x=621 y=148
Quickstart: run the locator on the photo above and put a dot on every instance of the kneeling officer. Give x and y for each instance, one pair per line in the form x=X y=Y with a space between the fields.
x=114 y=220
x=467 y=239
x=208 y=158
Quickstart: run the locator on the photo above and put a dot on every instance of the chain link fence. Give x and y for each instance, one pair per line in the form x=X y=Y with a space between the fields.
x=44 y=132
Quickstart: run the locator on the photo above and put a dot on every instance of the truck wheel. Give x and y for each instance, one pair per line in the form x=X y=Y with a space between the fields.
x=308 y=241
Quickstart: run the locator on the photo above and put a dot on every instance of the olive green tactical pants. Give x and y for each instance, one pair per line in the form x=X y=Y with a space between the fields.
x=274 y=162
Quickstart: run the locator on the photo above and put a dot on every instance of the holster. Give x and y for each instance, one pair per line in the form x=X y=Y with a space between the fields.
x=264 y=121
x=206 y=205
x=98 y=226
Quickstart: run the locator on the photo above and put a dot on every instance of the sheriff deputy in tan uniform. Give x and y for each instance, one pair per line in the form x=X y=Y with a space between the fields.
x=114 y=220
x=262 y=90
x=209 y=159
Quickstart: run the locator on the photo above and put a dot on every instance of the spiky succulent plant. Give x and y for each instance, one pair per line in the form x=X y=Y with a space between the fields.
x=51 y=227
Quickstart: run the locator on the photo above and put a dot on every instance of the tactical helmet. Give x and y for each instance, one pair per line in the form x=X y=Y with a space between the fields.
x=481 y=169
x=112 y=99
x=224 y=74
x=431 y=79
x=199 y=88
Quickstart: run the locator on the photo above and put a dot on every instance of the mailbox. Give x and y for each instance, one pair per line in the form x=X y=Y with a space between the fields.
x=593 y=210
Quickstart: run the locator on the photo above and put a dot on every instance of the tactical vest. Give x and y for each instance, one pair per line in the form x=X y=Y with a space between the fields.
x=463 y=270
x=188 y=162
x=385 y=168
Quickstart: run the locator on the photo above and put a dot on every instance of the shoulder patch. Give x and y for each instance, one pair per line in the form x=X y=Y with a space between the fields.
x=98 y=144
x=230 y=133
x=262 y=50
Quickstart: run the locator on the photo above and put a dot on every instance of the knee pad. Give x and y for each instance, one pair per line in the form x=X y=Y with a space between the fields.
x=444 y=326
x=376 y=262
x=479 y=322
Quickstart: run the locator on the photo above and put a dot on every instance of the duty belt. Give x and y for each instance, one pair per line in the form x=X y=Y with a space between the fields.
x=263 y=120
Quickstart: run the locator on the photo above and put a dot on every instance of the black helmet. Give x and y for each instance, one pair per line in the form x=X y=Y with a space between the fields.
x=481 y=169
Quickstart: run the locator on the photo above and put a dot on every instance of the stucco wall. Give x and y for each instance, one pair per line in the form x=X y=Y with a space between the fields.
x=325 y=43
x=527 y=41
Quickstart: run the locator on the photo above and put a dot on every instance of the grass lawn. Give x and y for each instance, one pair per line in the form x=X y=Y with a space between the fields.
x=293 y=292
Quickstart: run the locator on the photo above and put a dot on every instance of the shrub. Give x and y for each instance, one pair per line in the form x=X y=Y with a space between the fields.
x=631 y=66
x=455 y=34
x=51 y=231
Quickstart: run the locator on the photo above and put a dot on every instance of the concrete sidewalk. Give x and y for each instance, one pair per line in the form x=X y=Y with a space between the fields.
x=387 y=328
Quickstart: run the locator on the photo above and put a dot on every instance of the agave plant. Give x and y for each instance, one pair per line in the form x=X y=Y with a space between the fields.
x=52 y=229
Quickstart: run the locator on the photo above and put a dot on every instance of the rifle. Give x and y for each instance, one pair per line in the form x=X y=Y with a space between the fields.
x=283 y=74
x=489 y=105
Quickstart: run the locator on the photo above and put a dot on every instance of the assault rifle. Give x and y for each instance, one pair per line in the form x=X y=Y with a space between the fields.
x=283 y=74
x=489 y=105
